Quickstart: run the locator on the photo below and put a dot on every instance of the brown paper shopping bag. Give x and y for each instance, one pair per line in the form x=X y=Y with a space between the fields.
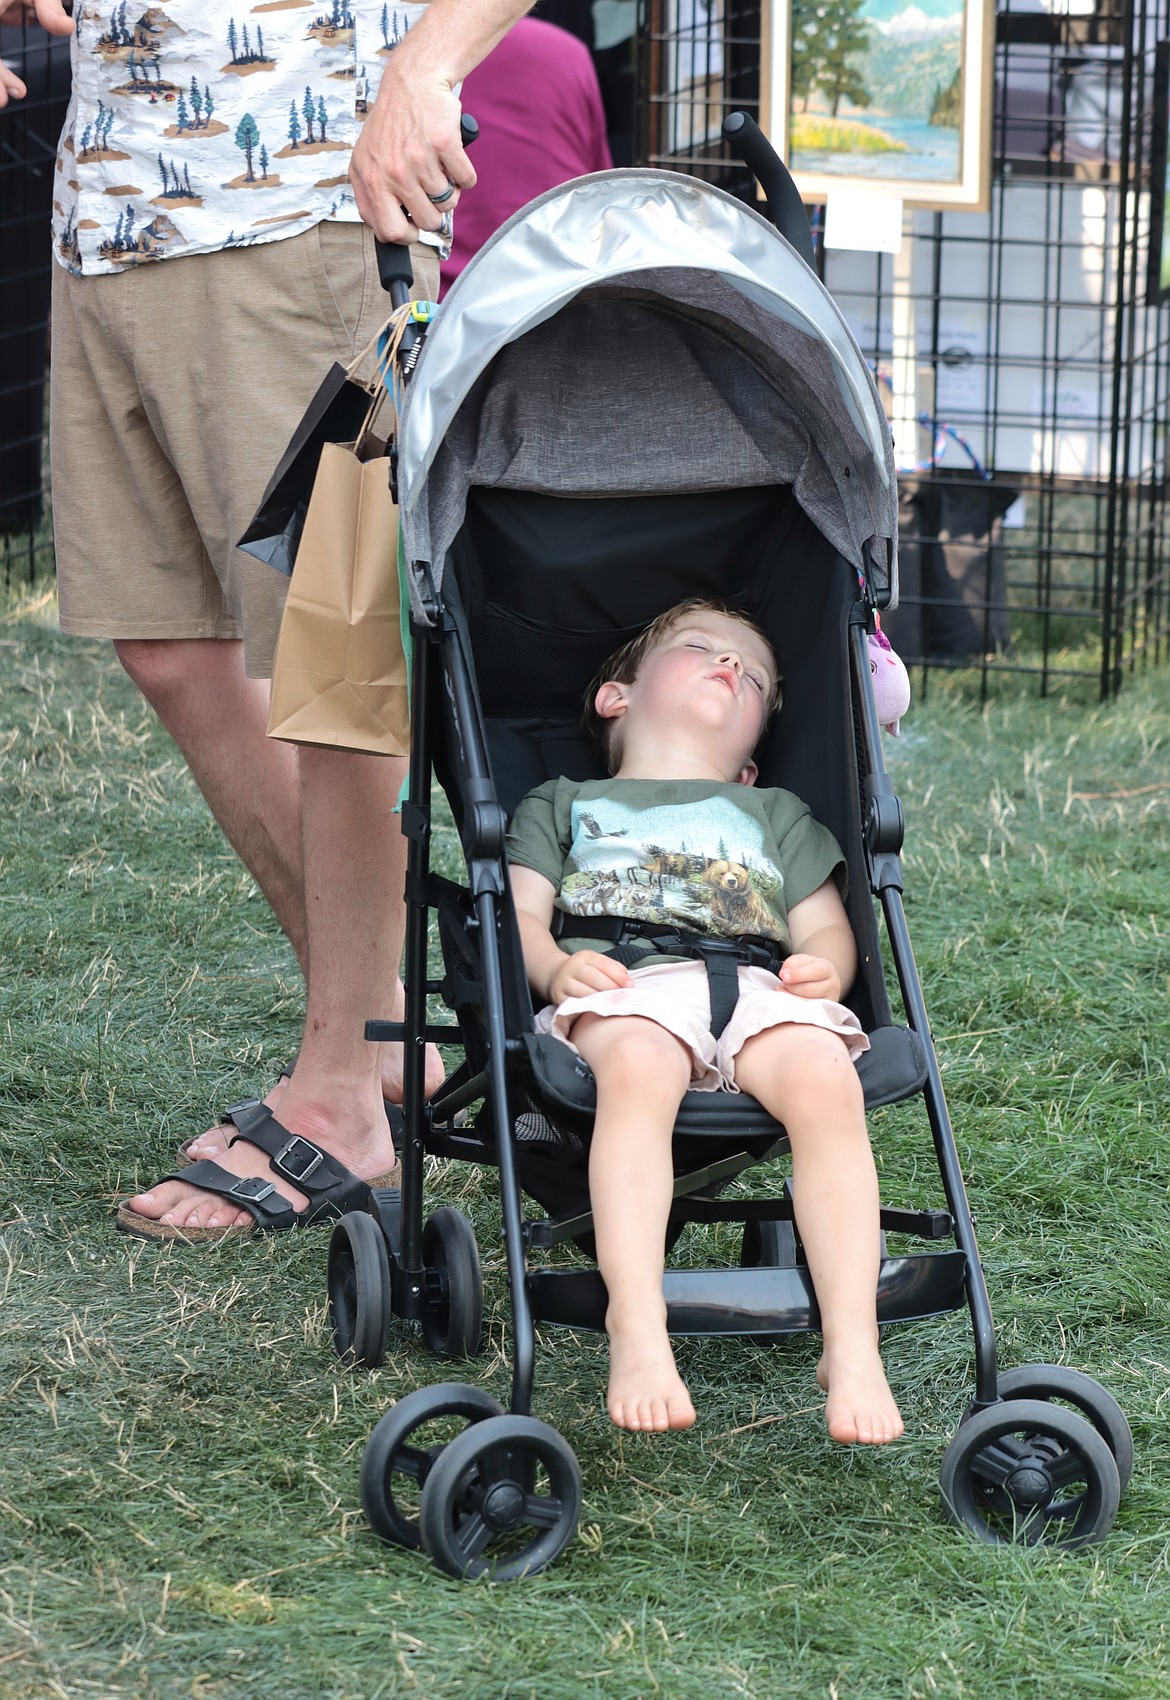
x=340 y=675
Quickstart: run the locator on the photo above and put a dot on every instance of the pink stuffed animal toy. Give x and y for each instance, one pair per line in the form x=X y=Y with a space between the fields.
x=890 y=680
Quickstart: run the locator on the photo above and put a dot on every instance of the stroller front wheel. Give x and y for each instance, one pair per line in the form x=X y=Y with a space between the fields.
x=502 y=1500
x=400 y=1456
x=1073 y=1387
x=1031 y=1472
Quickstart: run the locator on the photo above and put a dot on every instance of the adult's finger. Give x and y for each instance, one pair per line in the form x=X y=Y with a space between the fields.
x=52 y=16
x=11 y=87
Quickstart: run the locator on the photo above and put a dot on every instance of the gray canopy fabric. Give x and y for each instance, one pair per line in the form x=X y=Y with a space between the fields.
x=640 y=332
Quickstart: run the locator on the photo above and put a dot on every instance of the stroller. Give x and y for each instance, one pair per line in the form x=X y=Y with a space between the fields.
x=637 y=392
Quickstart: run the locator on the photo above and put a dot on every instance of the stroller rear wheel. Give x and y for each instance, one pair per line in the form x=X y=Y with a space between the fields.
x=1031 y=1472
x=359 y=1290
x=502 y=1500
x=452 y=1321
x=398 y=1459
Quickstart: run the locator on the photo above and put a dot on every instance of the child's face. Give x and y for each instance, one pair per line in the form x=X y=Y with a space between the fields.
x=715 y=673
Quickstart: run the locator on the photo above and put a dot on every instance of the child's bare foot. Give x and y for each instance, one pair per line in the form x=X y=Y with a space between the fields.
x=860 y=1409
x=645 y=1389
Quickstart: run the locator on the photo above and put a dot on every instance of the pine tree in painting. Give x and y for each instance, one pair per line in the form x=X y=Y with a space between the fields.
x=182 y=116
x=232 y=40
x=309 y=110
x=197 y=104
x=322 y=117
x=264 y=162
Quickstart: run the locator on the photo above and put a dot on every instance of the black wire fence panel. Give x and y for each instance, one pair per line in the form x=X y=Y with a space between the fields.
x=28 y=143
x=1034 y=522
x=1024 y=351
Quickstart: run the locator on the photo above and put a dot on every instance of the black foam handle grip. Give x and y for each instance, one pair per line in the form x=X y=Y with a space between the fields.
x=785 y=207
x=394 y=267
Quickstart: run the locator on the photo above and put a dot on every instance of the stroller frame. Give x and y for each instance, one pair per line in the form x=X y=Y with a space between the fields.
x=1023 y=1465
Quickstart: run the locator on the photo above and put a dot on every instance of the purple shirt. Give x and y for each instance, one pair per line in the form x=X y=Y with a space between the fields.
x=541 y=122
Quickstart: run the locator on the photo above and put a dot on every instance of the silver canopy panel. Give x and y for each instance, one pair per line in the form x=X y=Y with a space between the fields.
x=641 y=332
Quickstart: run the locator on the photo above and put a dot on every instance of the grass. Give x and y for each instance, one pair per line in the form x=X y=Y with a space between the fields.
x=178 y=1501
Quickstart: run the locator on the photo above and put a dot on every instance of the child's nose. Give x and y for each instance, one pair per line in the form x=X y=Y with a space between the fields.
x=732 y=660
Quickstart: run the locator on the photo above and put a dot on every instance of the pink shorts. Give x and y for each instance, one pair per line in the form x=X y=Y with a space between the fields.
x=676 y=996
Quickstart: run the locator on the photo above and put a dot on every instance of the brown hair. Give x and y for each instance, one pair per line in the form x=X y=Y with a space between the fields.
x=625 y=664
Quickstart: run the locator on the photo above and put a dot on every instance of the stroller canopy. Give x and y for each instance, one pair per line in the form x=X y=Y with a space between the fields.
x=641 y=332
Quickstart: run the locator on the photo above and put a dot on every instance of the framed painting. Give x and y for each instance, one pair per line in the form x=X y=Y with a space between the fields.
x=886 y=94
x=1158 y=276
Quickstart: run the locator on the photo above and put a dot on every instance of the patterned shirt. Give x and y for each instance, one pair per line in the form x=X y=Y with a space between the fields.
x=207 y=124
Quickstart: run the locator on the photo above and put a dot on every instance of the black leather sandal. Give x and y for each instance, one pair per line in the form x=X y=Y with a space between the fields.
x=332 y=1190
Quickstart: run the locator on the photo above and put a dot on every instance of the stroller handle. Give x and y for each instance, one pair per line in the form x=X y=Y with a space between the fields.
x=394 y=267
x=785 y=207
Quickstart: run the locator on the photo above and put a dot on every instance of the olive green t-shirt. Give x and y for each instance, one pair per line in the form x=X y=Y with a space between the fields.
x=714 y=858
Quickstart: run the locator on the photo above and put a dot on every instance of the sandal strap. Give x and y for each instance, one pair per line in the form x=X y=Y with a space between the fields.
x=270 y=1210
x=328 y=1185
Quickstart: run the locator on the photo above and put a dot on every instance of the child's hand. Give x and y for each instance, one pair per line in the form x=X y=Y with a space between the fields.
x=586 y=971
x=810 y=977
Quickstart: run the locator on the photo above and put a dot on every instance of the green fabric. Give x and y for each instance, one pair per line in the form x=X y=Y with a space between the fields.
x=723 y=859
x=407 y=649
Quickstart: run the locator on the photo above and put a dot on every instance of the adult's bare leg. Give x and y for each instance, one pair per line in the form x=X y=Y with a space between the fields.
x=218 y=717
x=804 y=1077
x=355 y=860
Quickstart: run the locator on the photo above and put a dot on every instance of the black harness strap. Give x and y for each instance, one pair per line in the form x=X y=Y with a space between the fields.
x=632 y=941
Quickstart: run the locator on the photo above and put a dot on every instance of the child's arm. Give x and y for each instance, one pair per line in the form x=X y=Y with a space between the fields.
x=824 y=955
x=553 y=973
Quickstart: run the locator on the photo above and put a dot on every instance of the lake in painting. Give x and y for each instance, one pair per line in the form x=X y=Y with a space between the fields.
x=876 y=89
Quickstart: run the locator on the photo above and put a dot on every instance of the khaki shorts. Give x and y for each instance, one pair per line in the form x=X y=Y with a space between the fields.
x=676 y=995
x=175 y=389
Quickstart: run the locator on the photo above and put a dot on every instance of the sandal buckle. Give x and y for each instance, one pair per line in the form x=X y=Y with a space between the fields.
x=280 y=1161
x=254 y=1188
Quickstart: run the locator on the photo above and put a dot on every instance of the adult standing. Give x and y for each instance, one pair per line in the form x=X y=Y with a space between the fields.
x=250 y=154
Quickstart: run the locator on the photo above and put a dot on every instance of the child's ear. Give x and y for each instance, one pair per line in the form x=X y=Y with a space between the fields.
x=610 y=701
x=748 y=774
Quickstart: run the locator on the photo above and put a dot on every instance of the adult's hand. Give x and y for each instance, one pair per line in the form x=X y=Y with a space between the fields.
x=50 y=14
x=410 y=149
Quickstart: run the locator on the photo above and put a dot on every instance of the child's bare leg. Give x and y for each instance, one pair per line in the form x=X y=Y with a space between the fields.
x=803 y=1075
x=642 y=1072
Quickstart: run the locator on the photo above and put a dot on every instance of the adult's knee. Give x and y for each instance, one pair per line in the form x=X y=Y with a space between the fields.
x=168 y=670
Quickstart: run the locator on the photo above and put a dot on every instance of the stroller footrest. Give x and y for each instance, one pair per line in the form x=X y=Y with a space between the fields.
x=754 y=1301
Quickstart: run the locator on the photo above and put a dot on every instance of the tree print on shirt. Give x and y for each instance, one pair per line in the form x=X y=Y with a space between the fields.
x=247 y=51
x=131 y=243
x=94 y=141
x=193 y=114
x=395 y=24
x=123 y=39
x=176 y=186
x=308 y=127
x=334 y=28
x=257 y=174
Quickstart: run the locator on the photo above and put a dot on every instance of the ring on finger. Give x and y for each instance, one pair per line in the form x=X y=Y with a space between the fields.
x=441 y=200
